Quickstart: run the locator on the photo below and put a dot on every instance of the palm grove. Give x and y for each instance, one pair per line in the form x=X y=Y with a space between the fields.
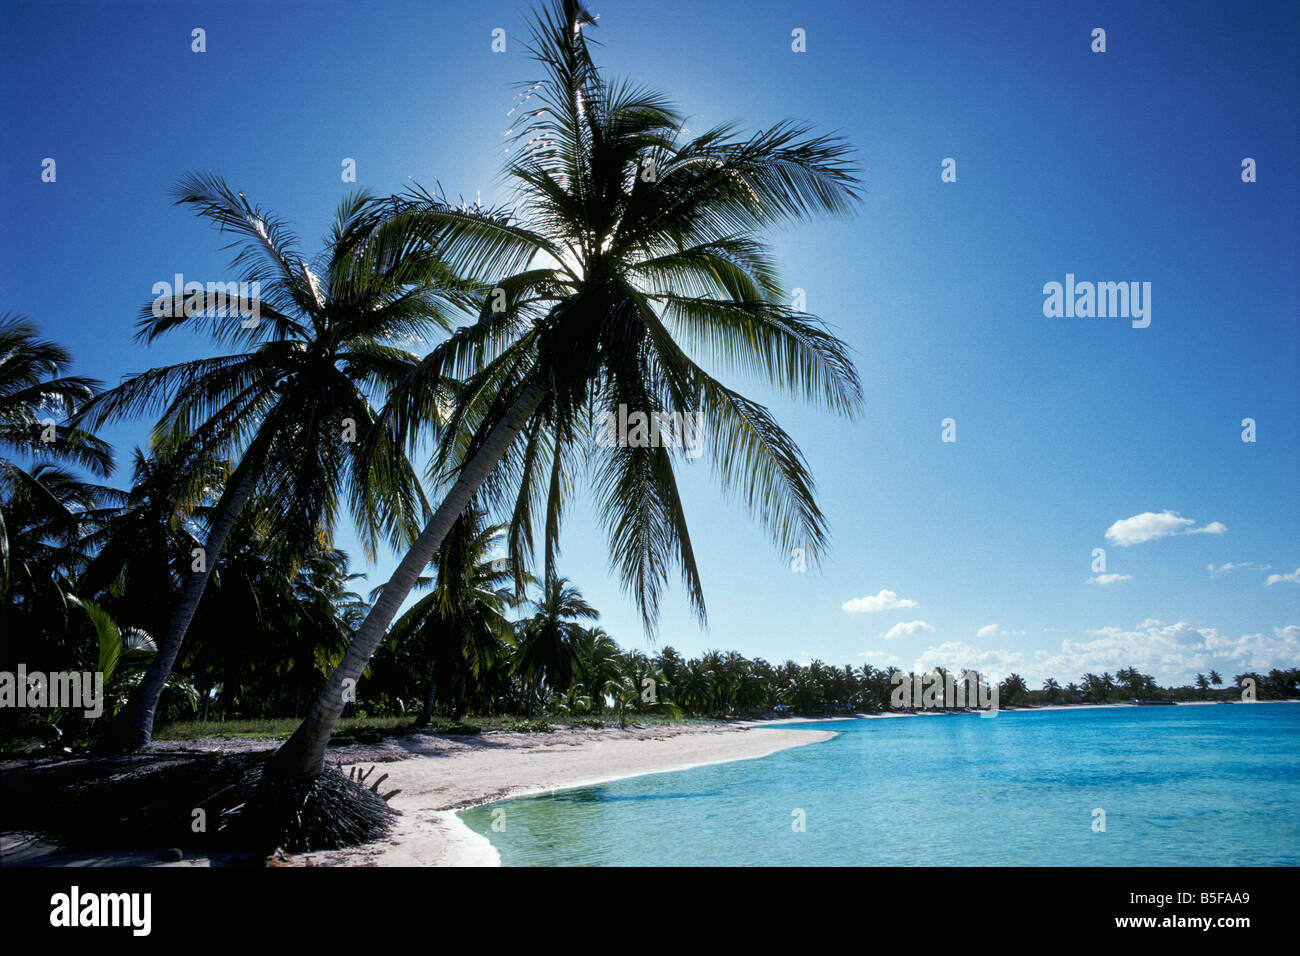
x=627 y=269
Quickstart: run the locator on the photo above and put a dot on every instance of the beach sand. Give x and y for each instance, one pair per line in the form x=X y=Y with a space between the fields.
x=438 y=775
x=456 y=773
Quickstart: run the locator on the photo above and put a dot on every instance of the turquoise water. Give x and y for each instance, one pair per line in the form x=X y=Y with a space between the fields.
x=1212 y=785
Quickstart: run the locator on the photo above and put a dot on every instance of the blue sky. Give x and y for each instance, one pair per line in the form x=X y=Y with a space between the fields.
x=1115 y=166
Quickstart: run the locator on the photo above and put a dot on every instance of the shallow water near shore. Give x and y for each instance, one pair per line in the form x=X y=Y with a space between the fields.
x=1213 y=785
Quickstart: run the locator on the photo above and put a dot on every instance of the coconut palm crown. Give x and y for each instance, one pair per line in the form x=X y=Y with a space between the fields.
x=294 y=401
x=631 y=266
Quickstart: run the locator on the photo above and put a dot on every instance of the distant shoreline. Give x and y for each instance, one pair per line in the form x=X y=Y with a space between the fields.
x=943 y=712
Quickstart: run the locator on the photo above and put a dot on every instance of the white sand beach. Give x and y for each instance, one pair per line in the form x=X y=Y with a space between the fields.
x=438 y=775
x=441 y=774
x=455 y=773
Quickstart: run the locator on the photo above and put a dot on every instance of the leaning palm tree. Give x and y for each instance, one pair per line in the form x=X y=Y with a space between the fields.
x=634 y=273
x=33 y=390
x=292 y=400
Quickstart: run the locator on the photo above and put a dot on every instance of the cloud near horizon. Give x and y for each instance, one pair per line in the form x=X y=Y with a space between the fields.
x=886 y=600
x=1150 y=526
x=960 y=656
x=907 y=629
x=1230 y=566
x=1172 y=653
x=996 y=630
x=1109 y=578
x=880 y=657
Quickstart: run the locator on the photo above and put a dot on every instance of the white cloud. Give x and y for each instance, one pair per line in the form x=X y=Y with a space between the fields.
x=996 y=630
x=880 y=656
x=959 y=656
x=1292 y=578
x=907 y=629
x=1109 y=578
x=1150 y=526
x=1230 y=566
x=886 y=600
x=1172 y=653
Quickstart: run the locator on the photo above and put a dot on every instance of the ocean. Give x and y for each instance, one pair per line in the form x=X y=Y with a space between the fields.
x=1131 y=786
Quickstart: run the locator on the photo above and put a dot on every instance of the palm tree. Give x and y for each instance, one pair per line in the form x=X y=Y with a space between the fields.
x=49 y=513
x=600 y=661
x=32 y=391
x=1013 y=688
x=294 y=405
x=1051 y=690
x=1132 y=679
x=120 y=655
x=697 y=689
x=270 y=626
x=462 y=622
x=550 y=642
x=143 y=549
x=640 y=249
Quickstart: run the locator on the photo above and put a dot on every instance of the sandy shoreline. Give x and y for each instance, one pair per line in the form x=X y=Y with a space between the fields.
x=477 y=770
x=439 y=775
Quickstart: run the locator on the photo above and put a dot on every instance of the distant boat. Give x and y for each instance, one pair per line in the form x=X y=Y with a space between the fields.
x=1152 y=702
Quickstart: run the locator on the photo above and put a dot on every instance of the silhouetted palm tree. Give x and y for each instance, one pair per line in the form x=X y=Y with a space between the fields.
x=36 y=401
x=462 y=623
x=550 y=641
x=293 y=403
x=639 y=247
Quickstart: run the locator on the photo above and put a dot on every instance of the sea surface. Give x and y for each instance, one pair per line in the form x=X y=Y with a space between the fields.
x=1215 y=785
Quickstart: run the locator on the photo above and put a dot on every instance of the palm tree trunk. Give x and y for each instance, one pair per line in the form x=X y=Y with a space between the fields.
x=460 y=697
x=136 y=727
x=303 y=755
x=426 y=715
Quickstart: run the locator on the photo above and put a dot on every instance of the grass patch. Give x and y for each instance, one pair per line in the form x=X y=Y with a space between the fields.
x=282 y=728
x=275 y=728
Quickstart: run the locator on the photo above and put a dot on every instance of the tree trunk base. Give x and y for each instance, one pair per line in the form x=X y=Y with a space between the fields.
x=324 y=812
x=154 y=800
